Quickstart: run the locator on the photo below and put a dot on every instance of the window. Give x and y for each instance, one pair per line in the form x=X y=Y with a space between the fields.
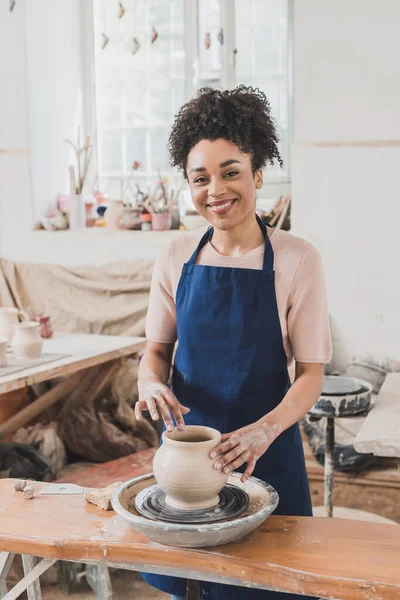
x=140 y=89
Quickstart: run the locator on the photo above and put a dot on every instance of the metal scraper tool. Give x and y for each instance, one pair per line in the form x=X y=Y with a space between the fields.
x=61 y=488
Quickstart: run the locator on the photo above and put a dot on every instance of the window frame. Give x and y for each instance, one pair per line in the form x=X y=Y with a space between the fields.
x=273 y=185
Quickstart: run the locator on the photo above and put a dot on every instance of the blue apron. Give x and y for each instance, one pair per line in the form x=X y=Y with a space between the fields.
x=230 y=368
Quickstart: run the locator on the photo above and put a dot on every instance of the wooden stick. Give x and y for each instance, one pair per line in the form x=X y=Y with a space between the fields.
x=78 y=160
x=72 y=180
x=276 y=211
x=283 y=213
x=35 y=408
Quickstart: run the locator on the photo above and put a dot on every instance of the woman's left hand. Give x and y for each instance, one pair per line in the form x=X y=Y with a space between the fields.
x=244 y=445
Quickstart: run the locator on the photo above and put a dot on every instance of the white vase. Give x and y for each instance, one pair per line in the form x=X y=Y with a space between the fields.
x=77 y=213
x=184 y=470
x=27 y=342
x=8 y=318
x=114 y=213
x=3 y=351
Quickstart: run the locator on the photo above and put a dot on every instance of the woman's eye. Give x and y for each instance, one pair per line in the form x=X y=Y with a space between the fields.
x=231 y=174
x=200 y=180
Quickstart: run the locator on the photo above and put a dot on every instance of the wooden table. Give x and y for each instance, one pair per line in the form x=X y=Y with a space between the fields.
x=84 y=350
x=327 y=558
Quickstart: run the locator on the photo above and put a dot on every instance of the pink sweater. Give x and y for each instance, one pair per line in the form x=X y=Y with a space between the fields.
x=299 y=283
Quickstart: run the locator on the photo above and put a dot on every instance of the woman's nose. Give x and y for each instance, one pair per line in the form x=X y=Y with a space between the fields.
x=216 y=188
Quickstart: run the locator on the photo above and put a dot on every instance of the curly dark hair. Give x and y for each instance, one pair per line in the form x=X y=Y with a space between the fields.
x=241 y=116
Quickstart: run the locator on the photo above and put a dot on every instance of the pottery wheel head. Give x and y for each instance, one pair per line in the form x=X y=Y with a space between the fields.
x=233 y=502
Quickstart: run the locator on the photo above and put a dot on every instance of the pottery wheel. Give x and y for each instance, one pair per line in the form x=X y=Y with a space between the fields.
x=341 y=386
x=233 y=501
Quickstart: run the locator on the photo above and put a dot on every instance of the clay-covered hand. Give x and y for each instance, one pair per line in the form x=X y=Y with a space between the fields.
x=156 y=397
x=244 y=445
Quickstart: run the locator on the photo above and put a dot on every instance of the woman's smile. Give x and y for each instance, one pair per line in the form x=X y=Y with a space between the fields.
x=221 y=207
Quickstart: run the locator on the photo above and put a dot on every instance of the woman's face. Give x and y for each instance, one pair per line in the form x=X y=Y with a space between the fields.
x=222 y=182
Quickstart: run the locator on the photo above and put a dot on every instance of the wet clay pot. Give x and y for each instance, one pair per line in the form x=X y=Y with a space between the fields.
x=184 y=470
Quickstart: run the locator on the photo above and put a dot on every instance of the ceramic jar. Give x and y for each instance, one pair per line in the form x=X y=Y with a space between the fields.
x=3 y=351
x=184 y=470
x=114 y=214
x=8 y=318
x=27 y=342
x=161 y=221
x=45 y=329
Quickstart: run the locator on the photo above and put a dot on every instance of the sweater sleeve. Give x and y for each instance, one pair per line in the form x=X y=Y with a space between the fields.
x=161 y=313
x=308 y=317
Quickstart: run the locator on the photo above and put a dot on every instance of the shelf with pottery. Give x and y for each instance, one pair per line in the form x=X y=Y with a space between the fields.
x=92 y=246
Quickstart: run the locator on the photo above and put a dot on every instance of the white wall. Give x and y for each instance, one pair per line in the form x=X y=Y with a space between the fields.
x=346 y=157
x=54 y=84
x=40 y=106
x=15 y=185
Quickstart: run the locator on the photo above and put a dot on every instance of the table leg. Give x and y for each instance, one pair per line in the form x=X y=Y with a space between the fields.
x=34 y=591
x=98 y=577
x=6 y=559
x=31 y=577
x=329 y=465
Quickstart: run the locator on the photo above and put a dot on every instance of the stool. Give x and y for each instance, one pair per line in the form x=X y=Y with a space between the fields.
x=341 y=397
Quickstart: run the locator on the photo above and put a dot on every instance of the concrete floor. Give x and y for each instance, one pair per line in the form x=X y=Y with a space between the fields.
x=127 y=585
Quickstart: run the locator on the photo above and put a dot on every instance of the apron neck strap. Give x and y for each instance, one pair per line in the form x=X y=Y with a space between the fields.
x=206 y=237
x=268 y=263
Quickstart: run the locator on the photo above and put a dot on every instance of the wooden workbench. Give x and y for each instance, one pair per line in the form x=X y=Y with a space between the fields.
x=83 y=352
x=326 y=558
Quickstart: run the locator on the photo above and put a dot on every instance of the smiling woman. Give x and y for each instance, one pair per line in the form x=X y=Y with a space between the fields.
x=223 y=188
x=243 y=300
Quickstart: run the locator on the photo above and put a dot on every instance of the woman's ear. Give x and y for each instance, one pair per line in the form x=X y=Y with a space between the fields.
x=258 y=178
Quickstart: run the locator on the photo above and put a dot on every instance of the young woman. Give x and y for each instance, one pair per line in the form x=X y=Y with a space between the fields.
x=243 y=301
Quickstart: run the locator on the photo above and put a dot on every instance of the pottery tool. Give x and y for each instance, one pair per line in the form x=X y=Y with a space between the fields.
x=61 y=488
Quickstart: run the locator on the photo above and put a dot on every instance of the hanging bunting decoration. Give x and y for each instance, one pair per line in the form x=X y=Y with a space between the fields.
x=121 y=10
x=207 y=40
x=136 y=46
x=220 y=36
x=12 y=4
x=106 y=39
x=154 y=35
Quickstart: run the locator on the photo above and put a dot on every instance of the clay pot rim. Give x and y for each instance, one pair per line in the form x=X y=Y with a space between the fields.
x=214 y=440
x=26 y=325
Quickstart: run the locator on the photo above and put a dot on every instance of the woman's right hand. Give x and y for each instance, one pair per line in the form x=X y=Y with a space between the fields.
x=156 y=397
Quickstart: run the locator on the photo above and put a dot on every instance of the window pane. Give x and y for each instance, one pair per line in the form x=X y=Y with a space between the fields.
x=110 y=151
x=135 y=148
x=210 y=59
x=159 y=154
x=137 y=93
x=262 y=30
